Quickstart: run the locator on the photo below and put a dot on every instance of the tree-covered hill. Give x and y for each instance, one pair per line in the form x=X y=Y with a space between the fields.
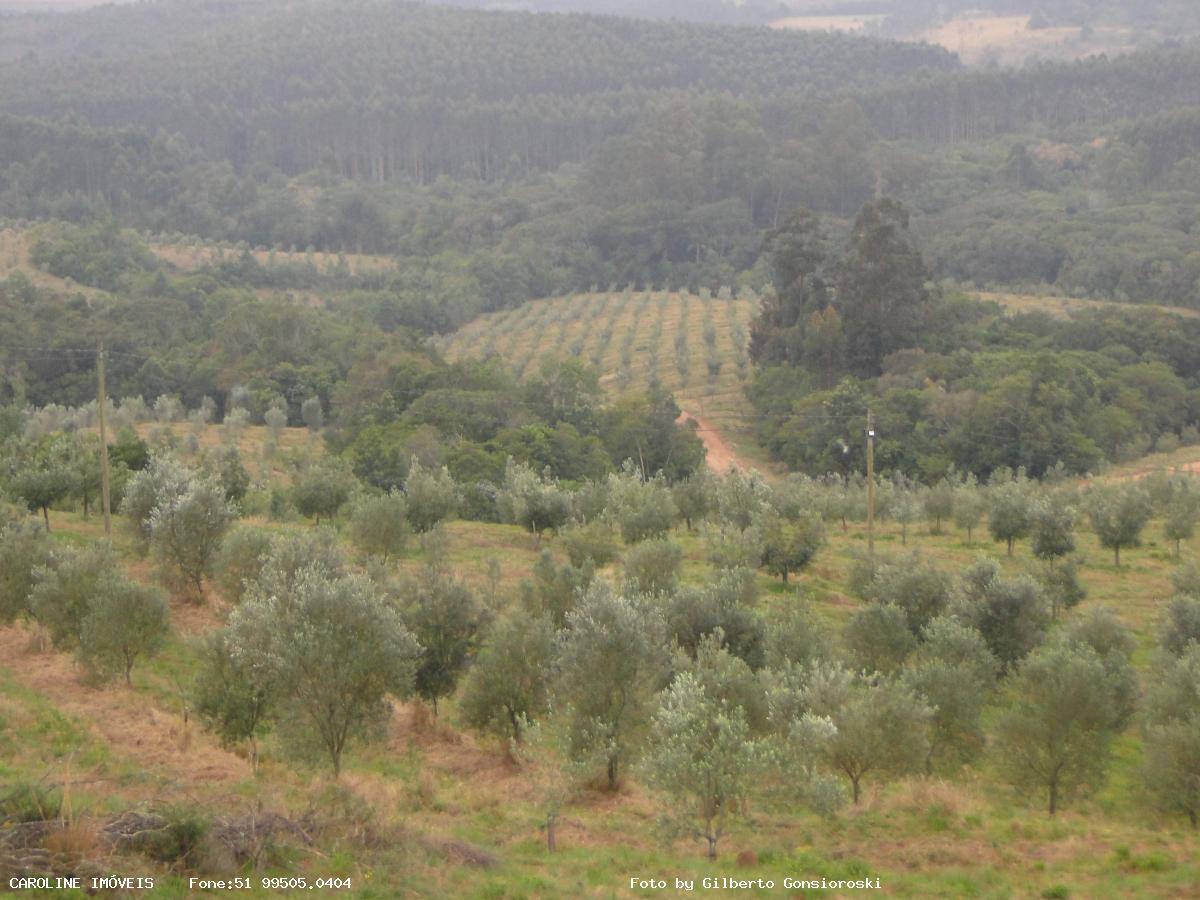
x=395 y=88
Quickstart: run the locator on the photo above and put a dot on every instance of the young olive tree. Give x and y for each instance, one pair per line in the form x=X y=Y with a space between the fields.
x=235 y=692
x=881 y=725
x=244 y=550
x=379 y=525
x=970 y=506
x=445 y=616
x=508 y=686
x=321 y=490
x=64 y=588
x=534 y=502
x=24 y=549
x=643 y=509
x=954 y=672
x=612 y=659
x=790 y=548
x=1055 y=733
x=1118 y=515
x=186 y=532
x=1171 y=732
x=125 y=620
x=701 y=753
x=652 y=567
x=1183 y=512
x=878 y=638
x=1010 y=511
x=162 y=480
x=335 y=649
x=1052 y=525
x=1010 y=613
x=1180 y=628
x=432 y=496
x=939 y=503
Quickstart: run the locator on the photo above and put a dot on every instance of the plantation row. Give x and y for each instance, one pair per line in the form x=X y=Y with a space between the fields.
x=695 y=346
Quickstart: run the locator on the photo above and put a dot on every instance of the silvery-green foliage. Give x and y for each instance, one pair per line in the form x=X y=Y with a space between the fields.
x=186 y=530
x=612 y=658
x=701 y=753
x=336 y=649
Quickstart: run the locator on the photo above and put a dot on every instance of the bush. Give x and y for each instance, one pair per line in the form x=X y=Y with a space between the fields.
x=652 y=567
x=241 y=558
x=379 y=525
x=25 y=802
x=594 y=541
x=178 y=839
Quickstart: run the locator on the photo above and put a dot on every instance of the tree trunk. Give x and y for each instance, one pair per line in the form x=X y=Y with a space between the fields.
x=1010 y=546
x=612 y=773
x=1053 y=796
x=854 y=785
x=551 y=833
x=46 y=516
x=1117 y=555
x=712 y=846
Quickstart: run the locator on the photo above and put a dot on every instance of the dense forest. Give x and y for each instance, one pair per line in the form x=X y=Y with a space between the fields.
x=532 y=155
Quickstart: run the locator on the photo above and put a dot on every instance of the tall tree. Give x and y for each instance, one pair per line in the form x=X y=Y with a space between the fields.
x=880 y=288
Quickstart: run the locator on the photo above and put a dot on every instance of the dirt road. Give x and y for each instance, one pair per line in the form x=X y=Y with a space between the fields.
x=721 y=457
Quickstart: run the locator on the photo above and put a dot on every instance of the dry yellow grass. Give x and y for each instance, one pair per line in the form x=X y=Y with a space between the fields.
x=1062 y=307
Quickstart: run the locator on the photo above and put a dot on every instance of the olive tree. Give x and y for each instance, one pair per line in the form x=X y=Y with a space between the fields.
x=41 y=486
x=695 y=497
x=24 y=548
x=64 y=589
x=1180 y=628
x=535 y=502
x=1183 y=512
x=445 y=616
x=954 y=672
x=321 y=490
x=162 y=480
x=335 y=649
x=1010 y=613
x=612 y=659
x=790 y=548
x=882 y=726
x=508 y=686
x=432 y=496
x=701 y=753
x=878 y=638
x=186 y=532
x=1055 y=732
x=1052 y=525
x=939 y=503
x=124 y=620
x=379 y=525
x=643 y=509
x=312 y=414
x=1118 y=515
x=1010 y=510
x=970 y=506
x=652 y=567
x=235 y=692
x=243 y=552
x=1171 y=732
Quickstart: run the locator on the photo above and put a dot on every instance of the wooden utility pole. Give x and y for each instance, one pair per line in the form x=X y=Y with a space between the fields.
x=870 y=483
x=103 y=403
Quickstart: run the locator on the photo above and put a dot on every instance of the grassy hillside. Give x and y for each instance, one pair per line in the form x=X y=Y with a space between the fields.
x=696 y=346
x=436 y=811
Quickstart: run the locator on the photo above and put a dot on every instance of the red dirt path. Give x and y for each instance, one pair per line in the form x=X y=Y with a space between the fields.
x=720 y=457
